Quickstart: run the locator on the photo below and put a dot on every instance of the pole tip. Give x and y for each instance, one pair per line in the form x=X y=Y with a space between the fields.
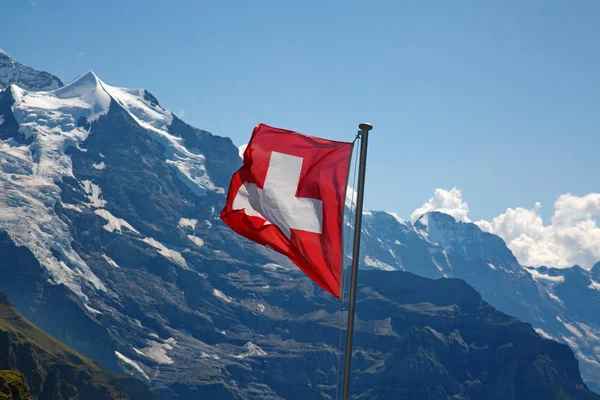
x=365 y=126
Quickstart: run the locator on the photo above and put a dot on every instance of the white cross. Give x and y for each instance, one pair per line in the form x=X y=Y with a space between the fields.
x=277 y=203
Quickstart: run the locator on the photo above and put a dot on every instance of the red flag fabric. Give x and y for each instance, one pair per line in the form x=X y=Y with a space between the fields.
x=289 y=195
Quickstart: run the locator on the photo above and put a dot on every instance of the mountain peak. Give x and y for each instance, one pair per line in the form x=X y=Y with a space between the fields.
x=2 y=52
x=90 y=89
x=85 y=96
x=88 y=76
x=435 y=216
x=466 y=238
x=88 y=79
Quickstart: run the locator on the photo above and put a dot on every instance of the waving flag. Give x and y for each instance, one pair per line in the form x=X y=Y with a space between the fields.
x=289 y=195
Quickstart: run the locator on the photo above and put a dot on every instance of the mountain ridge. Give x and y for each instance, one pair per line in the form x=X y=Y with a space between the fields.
x=14 y=72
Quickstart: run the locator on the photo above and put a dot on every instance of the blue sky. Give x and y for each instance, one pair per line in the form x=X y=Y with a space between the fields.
x=499 y=99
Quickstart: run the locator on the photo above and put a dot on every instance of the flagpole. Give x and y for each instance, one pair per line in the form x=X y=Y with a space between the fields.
x=364 y=138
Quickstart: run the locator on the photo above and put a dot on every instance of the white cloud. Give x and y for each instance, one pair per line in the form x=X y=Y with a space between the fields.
x=446 y=201
x=350 y=197
x=572 y=237
x=241 y=149
x=181 y=113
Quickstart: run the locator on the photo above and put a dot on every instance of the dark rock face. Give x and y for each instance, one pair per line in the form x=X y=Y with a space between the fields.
x=498 y=357
x=13 y=72
x=9 y=127
x=33 y=363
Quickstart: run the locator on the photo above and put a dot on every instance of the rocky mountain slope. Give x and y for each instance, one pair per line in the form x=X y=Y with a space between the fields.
x=37 y=366
x=12 y=71
x=111 y=242
x=448 y=335
x=561 y=304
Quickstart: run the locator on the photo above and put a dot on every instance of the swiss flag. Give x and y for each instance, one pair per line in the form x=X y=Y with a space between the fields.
x=289 y=195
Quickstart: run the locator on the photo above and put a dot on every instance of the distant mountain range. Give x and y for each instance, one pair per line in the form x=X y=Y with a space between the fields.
x=561 y=304
x=111 y=242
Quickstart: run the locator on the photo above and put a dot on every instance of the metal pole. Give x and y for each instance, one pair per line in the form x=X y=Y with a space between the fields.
x=364 y=138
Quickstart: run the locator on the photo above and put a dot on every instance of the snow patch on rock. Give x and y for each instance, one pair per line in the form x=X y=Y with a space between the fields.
x=591 y=333
x=251 y=350
x=396 y=217
x=196 y=240
x=94 y=193
x=132 y=364
x=570 y=328
x=204 y=354
x=158 y=351
x=187 y=223
x=273 y=266
x=172 y=255
x=554 y=297
x=92 y=310
x=99 y=166
x=374 y=263
x=543 y=334
x=114 y=223
x=220 y=295
x=539 y=276
x=72 y=207
x=110 y=261
x=594 y=285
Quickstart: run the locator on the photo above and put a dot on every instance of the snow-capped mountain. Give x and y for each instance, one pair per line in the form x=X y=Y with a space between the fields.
x=36 y=161
x=26 y=77
x=110 y=240
x=562 y=304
